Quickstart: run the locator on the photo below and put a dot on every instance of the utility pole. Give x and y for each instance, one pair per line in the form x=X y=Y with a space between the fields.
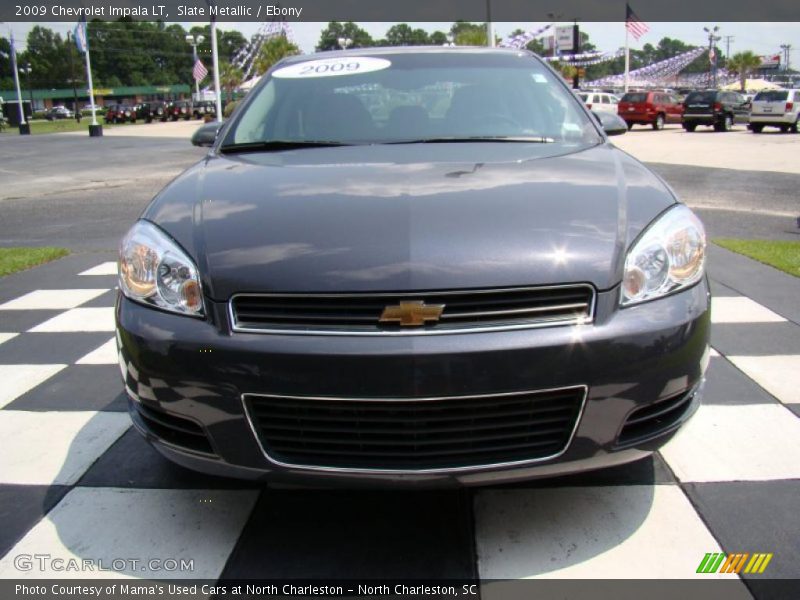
x=728 y=40
x=72 y=78
x=787 y=48
x=576 y=49
x=489 y=25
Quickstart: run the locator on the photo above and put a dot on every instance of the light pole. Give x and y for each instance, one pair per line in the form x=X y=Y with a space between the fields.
x=787 y=48
x=194 y=42
x=344 y=42
x=26 y=68
x=554 y=18
x=712 y=54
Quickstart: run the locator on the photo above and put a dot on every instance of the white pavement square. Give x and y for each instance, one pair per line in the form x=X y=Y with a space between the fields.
x=740 y=309
x=79 y=319
x=106 y=268
x=104 y=355
x=55 y=447
x=52 y=299
x=779 y=374
x=589 y=532
x=104 y=524
x=4 y=337
x=15 y=380
x=757 y=442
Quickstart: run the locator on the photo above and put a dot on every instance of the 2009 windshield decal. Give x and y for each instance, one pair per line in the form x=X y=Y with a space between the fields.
x=331 y=67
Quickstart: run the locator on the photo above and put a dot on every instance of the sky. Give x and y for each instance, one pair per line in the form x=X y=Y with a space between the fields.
x=761 y=38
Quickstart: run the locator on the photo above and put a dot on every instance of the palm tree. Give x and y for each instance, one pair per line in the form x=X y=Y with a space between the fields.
x=272 y=50
x=230 y=77
x=743 y=63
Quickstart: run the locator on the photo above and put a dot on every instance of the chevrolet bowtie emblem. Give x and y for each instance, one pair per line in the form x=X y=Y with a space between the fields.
x=412 y=313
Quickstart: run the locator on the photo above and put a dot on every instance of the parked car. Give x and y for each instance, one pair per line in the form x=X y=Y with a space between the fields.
x=600 y=101
x=59 y=112
x=775 y=108
x=203 y=108
x=650 y=108
x=715 y=108
x=120 y=113
x=150 y=111
x=421 y=296
x=179 y=109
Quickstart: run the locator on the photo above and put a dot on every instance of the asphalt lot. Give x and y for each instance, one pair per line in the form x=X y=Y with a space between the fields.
x=93 y=489
x=82 y=193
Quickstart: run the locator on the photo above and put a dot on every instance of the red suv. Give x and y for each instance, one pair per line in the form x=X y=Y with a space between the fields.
x=650 y=108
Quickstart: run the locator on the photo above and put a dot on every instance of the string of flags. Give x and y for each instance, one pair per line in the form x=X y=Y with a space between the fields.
x=521 y=40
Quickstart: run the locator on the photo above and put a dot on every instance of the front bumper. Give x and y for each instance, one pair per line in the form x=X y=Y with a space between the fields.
x=196 y=372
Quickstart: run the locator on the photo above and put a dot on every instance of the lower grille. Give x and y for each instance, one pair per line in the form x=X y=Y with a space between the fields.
x=655 y=419
x=462 y=309
x=453 y=432
x=174 y=430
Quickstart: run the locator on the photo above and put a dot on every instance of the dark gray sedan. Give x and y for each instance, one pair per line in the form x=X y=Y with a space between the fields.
x=421 y=266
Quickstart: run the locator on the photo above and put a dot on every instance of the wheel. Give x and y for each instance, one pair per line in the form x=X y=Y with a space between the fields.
x=793 y=126
x=658 y=124
x=756 y=128
x=784 y=128
x=725 y=125
x=690 y=127
x=630 y=126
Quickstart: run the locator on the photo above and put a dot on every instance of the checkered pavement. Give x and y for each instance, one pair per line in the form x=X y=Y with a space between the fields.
x=76 y=481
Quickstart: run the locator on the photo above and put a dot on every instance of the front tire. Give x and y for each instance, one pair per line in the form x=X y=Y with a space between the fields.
x=658 y=124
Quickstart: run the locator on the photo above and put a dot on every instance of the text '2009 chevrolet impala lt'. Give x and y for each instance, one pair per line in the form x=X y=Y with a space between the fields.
x=420 y=266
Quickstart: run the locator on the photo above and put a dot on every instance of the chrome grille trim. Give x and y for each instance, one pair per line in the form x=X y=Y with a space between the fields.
x=444 y=328
x=433 y=471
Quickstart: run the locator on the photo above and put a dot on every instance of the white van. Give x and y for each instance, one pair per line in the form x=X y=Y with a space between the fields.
x=775 y=108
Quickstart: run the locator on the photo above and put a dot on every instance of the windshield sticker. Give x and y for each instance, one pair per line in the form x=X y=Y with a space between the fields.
x=331 y=67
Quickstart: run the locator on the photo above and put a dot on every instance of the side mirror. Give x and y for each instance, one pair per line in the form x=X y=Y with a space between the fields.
x=612 y=124
x=206 y=135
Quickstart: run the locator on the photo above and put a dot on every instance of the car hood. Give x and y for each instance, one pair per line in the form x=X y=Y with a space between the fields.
x=410 y=217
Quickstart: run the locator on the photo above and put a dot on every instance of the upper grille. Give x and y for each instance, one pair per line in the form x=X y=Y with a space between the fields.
x=454 y=432
x=360 y=313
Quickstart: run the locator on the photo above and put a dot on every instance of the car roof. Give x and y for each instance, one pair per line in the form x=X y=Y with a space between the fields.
x=395 y=50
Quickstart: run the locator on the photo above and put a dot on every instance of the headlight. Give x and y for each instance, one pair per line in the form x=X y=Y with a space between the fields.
x=154 y=270
x=669 y=256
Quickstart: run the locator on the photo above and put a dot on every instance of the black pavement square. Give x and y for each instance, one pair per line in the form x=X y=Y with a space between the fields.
x=50 y=348
x=132 y=462
x=58 y=274
x=756 y=339
x=725 y=384
x=755 y=517
x=718 y=289
x=78 y=387
x=16 y=321
x=21 y=507
x=334 y=534
x=109 y=298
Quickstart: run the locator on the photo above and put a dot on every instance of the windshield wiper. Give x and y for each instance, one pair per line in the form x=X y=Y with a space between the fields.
x=528 y=139
x=267 y=145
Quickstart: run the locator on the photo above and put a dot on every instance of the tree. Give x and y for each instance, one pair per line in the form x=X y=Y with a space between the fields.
x=6 y=74
x=438 y=38
x=744 y=63
x=402 y=35
x=468 y=34
x=273 y=50
x=329 y=37
x=230 y=77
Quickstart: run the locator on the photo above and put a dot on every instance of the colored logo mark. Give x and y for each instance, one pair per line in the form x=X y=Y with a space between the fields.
x=719 y=562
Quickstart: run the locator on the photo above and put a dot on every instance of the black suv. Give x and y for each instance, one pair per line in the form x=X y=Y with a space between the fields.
x=150 y=111
x=714 y=107
x=203 y=108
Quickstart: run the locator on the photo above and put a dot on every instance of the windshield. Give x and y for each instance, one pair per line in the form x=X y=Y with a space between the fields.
x=701 y=97
x=407 y=97
x=771 y=96
x=637 y=97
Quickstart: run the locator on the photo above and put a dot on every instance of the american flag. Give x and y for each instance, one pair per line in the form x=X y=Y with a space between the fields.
x=634 y=24
x=199 y=71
